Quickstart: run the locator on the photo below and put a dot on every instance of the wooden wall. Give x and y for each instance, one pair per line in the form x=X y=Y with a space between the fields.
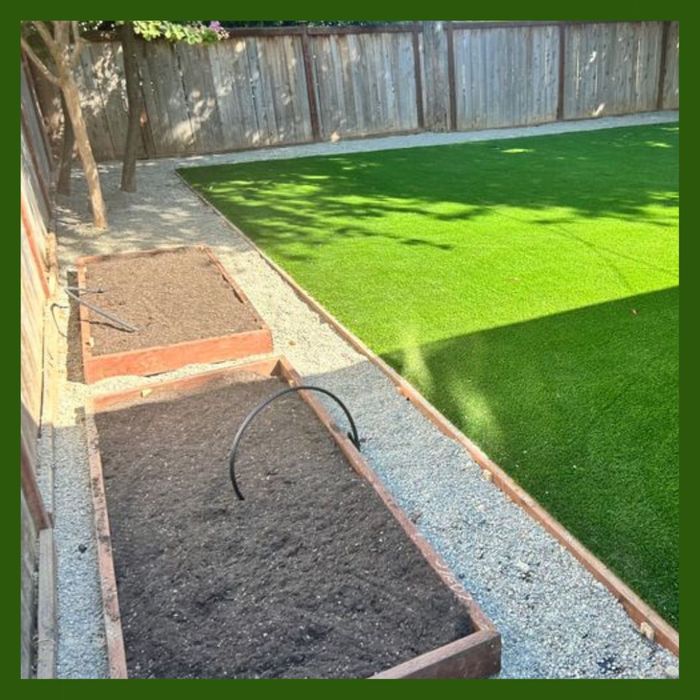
x=36 y=211
x=264 y=87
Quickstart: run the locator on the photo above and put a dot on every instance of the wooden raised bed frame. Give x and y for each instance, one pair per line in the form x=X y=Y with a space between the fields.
x=163 y=358
x=476 y=655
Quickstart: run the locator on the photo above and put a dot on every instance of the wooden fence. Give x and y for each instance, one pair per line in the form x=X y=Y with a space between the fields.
x=289 y=85
x=36 y=287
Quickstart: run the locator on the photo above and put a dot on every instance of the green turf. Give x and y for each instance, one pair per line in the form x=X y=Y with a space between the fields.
x=529 y=288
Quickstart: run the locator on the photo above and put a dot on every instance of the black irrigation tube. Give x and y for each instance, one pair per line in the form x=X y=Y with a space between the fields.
x=236 y=440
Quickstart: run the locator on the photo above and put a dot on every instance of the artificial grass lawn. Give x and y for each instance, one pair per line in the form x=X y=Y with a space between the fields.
x=529 y=289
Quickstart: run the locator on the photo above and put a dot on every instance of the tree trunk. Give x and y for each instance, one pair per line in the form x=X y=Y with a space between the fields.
x=133 y=93
x=72 y=97
x=63 y=183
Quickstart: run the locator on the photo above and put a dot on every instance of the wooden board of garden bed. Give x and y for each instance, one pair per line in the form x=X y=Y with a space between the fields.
x=318 y=573
x=187 y=309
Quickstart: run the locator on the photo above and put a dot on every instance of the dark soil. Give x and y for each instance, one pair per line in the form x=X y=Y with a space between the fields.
x=310 y=576
x=170 y=297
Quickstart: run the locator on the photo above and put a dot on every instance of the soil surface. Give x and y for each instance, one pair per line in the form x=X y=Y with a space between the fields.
x=170 y=297
x=310 y=576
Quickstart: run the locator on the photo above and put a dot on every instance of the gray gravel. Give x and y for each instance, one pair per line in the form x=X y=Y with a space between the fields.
x=556 y=620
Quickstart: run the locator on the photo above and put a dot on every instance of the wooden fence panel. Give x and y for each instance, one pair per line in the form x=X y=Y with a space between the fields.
x=506 y=77
x=611 y=68
x=365 y=83
x=670 y=97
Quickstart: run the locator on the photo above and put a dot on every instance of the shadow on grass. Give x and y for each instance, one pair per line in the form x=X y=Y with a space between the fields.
x=581 y=408
x=616 y=173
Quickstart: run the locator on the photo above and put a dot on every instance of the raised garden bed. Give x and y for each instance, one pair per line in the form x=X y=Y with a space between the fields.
x=185 y=307
x=317 y=573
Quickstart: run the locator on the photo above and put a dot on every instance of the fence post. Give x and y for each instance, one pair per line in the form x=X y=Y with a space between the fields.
x=310 y=91
x=662 y=65
x=562 y=71
x=451 y=75
x=436 y=110
x=419 y=78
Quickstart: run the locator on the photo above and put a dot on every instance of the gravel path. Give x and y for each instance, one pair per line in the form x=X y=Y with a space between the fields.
x=556 y=620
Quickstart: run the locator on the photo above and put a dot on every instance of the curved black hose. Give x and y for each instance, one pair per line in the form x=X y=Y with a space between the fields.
x=236 y=440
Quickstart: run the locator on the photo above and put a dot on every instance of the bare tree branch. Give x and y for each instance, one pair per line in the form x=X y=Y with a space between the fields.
x=61 y=32
x=38 y=62
x=45 y=34
x=78 y=44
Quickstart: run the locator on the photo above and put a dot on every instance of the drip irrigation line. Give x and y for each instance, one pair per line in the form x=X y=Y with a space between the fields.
x=52 y=308
x=115 y=319
x=353 y=436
